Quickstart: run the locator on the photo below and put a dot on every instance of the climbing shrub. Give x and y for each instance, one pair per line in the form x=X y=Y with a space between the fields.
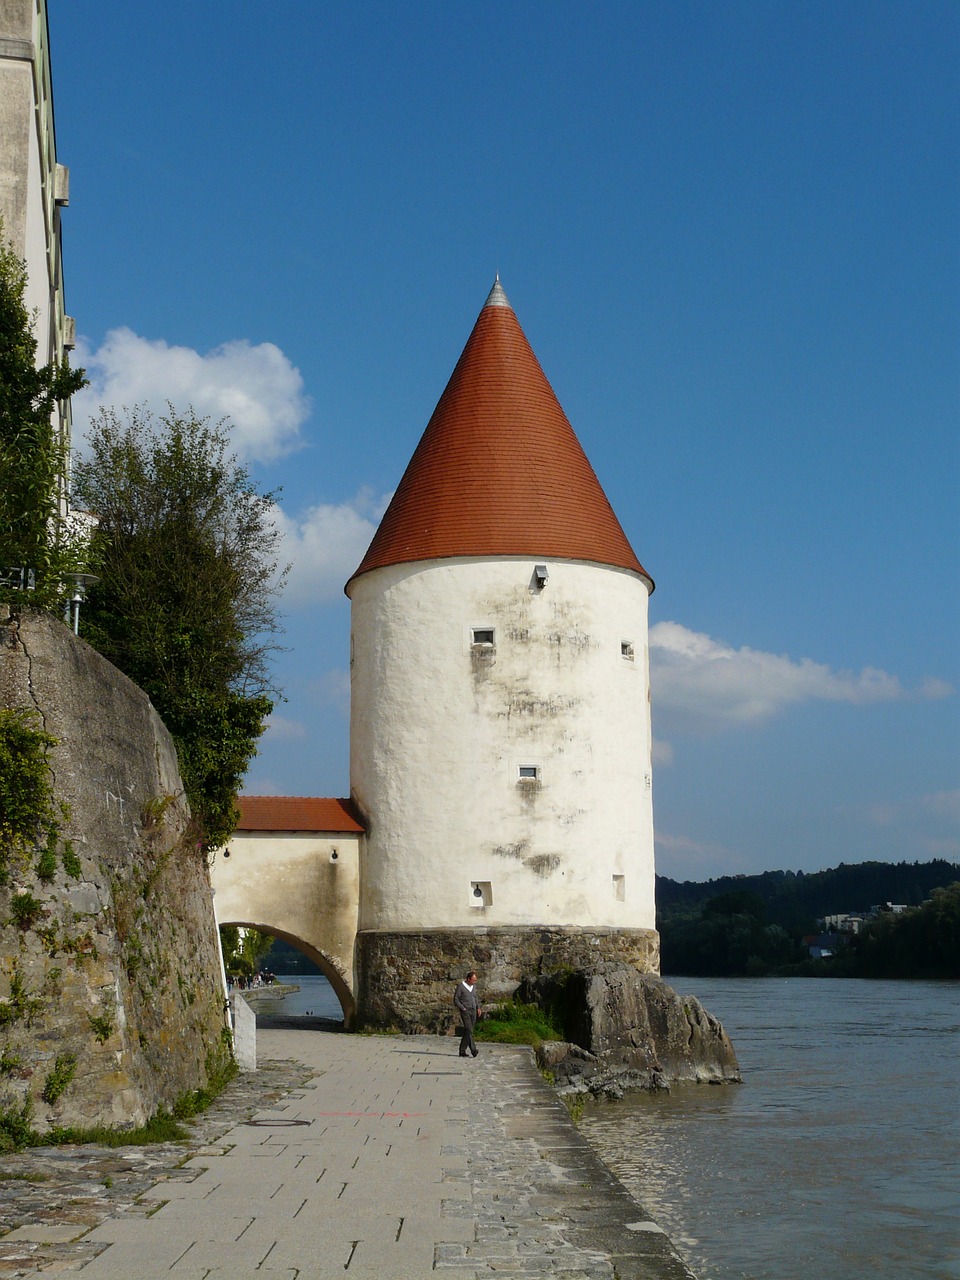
x=64 y=1069
x=30 y=815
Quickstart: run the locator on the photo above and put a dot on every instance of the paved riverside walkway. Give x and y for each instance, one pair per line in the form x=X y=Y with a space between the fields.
x=396 y=1159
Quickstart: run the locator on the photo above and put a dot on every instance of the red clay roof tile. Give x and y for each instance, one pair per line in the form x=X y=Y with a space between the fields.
x=499 y=470
x=296 y=813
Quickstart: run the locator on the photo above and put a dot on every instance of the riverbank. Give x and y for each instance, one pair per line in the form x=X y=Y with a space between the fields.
x=271 y=991
x=394 y=1158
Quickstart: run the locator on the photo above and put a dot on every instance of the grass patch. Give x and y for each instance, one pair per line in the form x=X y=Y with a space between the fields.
x=161 y=1127
x=512 y=1023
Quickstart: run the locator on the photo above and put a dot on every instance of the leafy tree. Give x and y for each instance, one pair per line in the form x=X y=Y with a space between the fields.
x=244 y=950
x=186 y=553
x=33 y=456
x=921 y=943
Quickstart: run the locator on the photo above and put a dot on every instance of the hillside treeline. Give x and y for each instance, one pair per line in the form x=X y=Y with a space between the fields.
x=755 y=925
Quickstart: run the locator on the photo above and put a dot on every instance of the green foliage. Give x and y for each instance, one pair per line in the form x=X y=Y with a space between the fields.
x=17 y=1133
x=244 y=950
x=15 y=1129
x=29 y=813
x=20 y=1004
x=920 y=943
x=46 y=867
x=728 y=934
x=285 y=958
x=33 y=456
x=25 y=910
x=101 y=1025
x=64 y=1069
x=10 y=1063
x=796 y=900
x=186 y=549
x=729 y=939
x=70 y=860
x=513 y=1023
x=575 y=1103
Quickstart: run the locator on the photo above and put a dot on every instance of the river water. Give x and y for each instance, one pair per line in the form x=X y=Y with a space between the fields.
x=838 y=1156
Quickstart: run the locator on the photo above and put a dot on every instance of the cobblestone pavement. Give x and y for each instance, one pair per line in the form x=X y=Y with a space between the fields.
x=384 y=1156
x=51 y=1192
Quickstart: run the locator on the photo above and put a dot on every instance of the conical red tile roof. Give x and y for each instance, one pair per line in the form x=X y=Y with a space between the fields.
x=499 y=470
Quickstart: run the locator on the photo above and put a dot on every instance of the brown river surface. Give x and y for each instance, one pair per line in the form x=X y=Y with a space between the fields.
x=838 y=1157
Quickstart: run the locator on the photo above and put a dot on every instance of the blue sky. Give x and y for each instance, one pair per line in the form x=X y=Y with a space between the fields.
x=730 y=232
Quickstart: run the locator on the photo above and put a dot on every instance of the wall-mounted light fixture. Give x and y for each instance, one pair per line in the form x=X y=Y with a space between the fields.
x=540 y=576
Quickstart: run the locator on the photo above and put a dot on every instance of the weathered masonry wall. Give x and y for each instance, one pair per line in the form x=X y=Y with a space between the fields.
x=111 y=998
x=406 y=979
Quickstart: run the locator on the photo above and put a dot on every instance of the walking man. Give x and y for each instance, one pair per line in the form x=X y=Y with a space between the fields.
x=467 y=1005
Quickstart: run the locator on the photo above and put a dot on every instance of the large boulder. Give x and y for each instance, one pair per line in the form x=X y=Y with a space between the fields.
x=628 y=1030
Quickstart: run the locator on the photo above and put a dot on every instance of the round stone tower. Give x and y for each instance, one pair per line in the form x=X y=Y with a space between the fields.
x=500 y=747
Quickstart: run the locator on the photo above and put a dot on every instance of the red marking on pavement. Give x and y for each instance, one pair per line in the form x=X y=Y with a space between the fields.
x=375 y=1115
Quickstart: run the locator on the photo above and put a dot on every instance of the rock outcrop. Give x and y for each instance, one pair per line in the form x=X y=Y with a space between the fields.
x=628 y=1030
x=111 y=996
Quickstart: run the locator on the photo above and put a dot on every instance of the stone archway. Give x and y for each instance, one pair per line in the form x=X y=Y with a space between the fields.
x=325 y=963
x=303 y=887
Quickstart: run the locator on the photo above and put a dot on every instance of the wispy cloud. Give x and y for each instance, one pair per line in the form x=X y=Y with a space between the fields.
x=255 y=386
x=283 y=729
x=683 y=858
x=705 y=684
x=324 y=544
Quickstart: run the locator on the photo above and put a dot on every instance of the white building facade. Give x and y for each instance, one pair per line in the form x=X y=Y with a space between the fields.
x=34 y=187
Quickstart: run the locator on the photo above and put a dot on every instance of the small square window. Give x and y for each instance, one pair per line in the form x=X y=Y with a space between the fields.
x=484 y=636
x=618 y=888
x=529 y=773
x=626 y=650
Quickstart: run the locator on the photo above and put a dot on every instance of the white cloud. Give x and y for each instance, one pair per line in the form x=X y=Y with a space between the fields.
x=708 y=684
x=325 y=544
x=682 y=858
x=283 y=729
x=256 y=387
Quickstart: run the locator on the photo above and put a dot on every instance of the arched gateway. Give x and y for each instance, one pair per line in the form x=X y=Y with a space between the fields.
x=292 y=868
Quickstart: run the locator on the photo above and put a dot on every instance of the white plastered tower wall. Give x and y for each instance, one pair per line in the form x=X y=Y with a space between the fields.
x=504 y=783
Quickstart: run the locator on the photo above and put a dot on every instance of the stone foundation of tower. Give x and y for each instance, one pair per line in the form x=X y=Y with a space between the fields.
x=406 y=978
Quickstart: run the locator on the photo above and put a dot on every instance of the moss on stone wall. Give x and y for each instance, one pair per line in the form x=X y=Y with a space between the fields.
x=111 y=1000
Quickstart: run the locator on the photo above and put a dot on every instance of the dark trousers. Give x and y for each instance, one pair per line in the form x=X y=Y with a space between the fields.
x=469 y=1021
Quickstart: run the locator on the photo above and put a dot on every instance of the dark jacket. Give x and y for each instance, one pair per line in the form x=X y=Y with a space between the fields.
x=466 y=1000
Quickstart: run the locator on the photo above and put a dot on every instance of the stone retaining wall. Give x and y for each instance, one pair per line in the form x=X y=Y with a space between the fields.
x=111 y=996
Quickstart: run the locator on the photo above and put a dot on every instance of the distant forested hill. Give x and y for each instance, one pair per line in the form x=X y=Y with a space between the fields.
x=755 y=925
x=796 y=900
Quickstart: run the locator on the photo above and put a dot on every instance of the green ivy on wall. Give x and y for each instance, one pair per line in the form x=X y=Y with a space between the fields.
x=30 y=815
